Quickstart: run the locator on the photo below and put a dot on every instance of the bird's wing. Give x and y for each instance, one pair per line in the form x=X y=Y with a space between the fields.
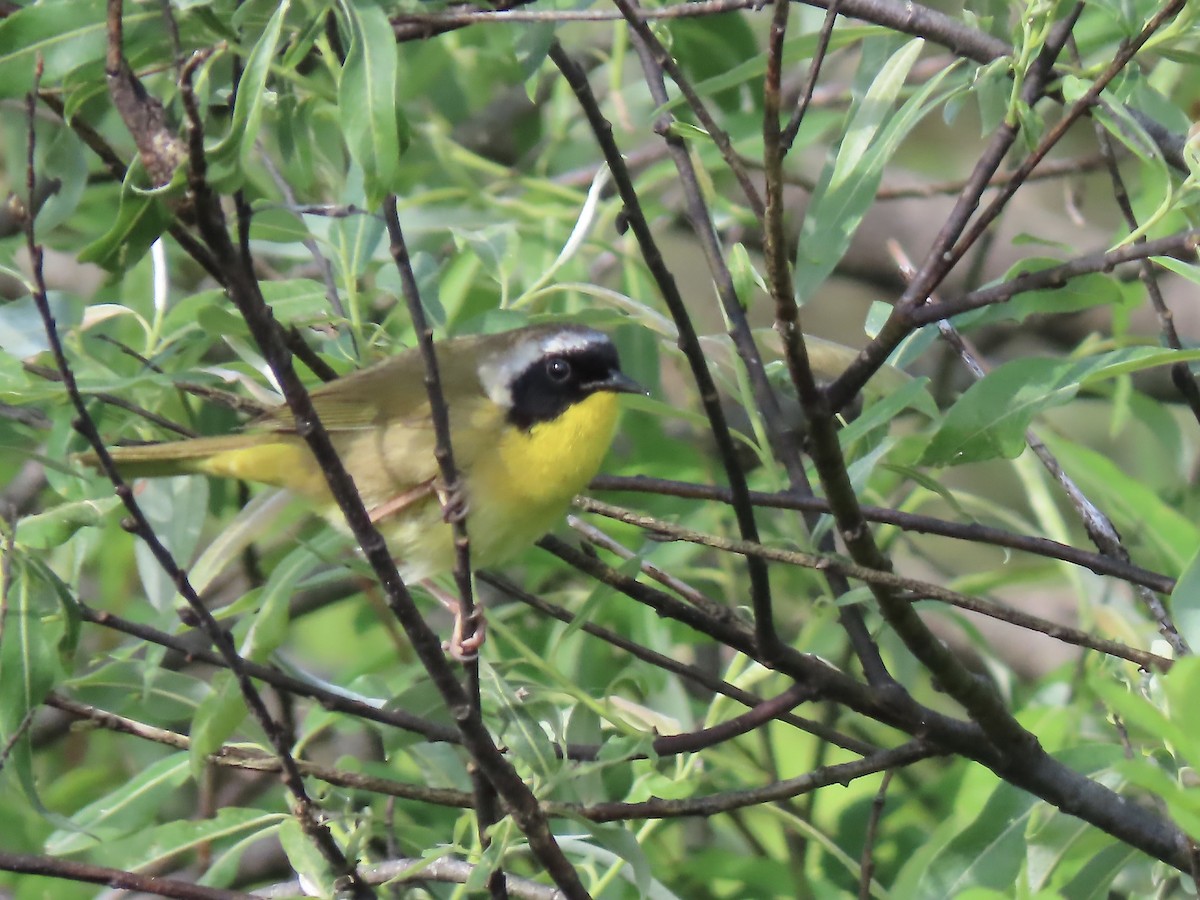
x=389 y=392
x=380 y=422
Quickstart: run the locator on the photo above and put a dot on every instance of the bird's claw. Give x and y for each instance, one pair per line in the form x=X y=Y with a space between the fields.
x=453 y=499
x=462 y=646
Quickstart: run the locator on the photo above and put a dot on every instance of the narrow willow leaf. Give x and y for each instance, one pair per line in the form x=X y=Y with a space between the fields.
x=64 y=35
x=22 y=335
x=238 y=143
x=1185 y=602
x=270 y=623
x=217 y=717
x=140 y=221
x=1093 y=880
x=54 y=527
x=989 y=420
x=991 y=852
x=1166 y=537
x=175 y=509
x=795 y=50
x=1077 y=294
x=155 y=846
x=375 y=130
x=29 y=667
x=312 y=868
x=849 y=182
x=1190 y=271
x=126 y=810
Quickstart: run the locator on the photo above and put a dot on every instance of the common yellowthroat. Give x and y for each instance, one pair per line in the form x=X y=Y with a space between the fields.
x=532 y=414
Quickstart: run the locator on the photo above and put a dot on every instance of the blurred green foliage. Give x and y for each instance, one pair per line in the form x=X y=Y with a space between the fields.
x=314 y=112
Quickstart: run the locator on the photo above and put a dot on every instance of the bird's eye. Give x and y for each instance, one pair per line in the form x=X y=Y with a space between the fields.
x=558 y=369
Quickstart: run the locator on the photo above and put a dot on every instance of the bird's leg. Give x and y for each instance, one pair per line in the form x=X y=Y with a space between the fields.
x=469 y=631
x=401 y=501
x=453 y=498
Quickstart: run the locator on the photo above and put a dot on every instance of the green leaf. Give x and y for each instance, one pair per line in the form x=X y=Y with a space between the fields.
x=270 y=623
x=375 y=129
x=64 y=34
x=54 y=527
x=175 y=509
x=1076 y=295
x=217 y=717
x=127 y=809
x=308 y=863
x=1092 y=882
x=29 y=666
x=1190 y=271
x=1180 y=686
x=991 y=852
x=65 y=158
x=22 y=333
x=851 y=178
x=238 y=143
x=911 y=394
x=1185 y=602
x=795 y=50
x=141 y=219
x=1146 y=519
x=989 y=420
x=710 y=48
x=155 y=846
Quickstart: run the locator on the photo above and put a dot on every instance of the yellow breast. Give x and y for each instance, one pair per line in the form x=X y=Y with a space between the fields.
x=517 y=490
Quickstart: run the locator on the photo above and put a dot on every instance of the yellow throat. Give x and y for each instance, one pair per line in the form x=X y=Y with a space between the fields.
x=520 y=490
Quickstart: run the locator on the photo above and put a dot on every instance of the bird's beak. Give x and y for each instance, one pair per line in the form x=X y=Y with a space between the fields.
x=618 y=382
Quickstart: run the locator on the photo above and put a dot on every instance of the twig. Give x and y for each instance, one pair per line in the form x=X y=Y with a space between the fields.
x=319 y=259
x=1074 y=112
x=1054 y=168
x=666 y=63
x=21 y=732
x=956 y=238
x=904 y=589
x=440 y=417
x=1098 y=526
x=939 y=260
x=392 y=717
x=118 y=879
x=159 y=147
x=437 y=21
x=244 y=291
x=670 y=664
x=253 y=760
x=114 y=400
x=788 y=136
x=1181 y=245
x=485 y=795
x=1040 y=774
x=688 y=341
x=715 y=804
x=594 y=535
x=1181 y=374
x=228 y=399
x=867 y=863
x=970 y=531
x=442 y=869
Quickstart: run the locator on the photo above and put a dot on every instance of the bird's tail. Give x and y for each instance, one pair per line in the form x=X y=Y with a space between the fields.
x=265 y=458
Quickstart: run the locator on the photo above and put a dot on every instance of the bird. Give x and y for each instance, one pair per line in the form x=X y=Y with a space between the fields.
x=533 y=412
